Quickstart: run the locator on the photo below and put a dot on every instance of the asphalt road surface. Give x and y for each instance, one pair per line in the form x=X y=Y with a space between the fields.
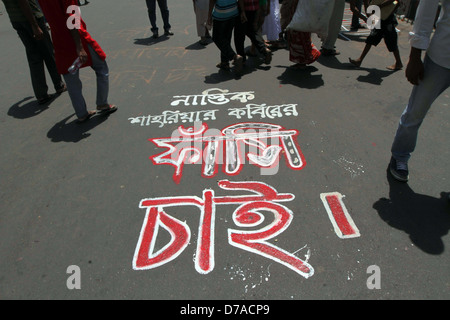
x=102 y=210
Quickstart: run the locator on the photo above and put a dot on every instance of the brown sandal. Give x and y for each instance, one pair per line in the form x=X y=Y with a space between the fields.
x=106 y=109
x=87 y=117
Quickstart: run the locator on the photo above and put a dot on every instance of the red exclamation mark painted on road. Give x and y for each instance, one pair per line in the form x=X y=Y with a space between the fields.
x=340 y=218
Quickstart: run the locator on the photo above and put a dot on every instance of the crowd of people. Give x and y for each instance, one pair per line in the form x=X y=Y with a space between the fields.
x=223 y=20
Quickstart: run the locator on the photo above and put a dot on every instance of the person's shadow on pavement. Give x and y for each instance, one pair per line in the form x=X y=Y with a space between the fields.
x=73 y=131
x=27 y=108
x=425 y=219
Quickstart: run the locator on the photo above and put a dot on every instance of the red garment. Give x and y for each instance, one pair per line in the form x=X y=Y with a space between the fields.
x=251 y=5
x=301 y=49
x=55 y=12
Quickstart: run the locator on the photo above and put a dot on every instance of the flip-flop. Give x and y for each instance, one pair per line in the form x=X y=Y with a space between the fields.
x=109 y=109
x=394 y=68
x=61 y=90
x=46 y=99
x=86 y=118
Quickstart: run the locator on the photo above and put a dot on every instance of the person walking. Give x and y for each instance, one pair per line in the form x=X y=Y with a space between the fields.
x=222 y=16
x=249 y=27
x=334 y=27
x=388 y=32
x=201 y=9
x=430 y=77
x=301 y=49
x=75 y=45
x=28 y=20
x=355 y=25
x=151 y=7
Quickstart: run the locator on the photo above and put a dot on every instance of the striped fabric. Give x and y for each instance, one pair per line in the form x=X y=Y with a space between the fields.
x=225 y=9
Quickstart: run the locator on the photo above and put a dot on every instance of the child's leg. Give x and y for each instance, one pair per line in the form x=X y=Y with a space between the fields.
x=359 y=61
x=398 y=65
x=391 y=40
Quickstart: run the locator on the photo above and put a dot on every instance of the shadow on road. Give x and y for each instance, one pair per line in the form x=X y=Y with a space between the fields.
x=374 y=76
x=72 y=131
x=24 y=109
x=301 y=78
x=425 y=219
x=150 y=40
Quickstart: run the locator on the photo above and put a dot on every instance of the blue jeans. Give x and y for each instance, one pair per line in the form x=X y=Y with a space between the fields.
x=151 y=6
x=74 y=85
x=436 y=80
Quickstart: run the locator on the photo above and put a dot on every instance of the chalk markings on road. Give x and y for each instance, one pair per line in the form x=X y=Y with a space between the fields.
x=343 y=224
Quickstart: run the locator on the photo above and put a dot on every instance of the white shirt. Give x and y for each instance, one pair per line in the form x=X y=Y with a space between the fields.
x=438 y=47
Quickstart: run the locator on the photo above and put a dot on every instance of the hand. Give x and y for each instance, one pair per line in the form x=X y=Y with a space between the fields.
x=243 y=17
x=415 y=70
x=37 y=33
x=82 y=55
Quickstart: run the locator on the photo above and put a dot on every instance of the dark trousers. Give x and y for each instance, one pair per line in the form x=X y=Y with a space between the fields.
x=355 y=18
x=222 y=34
x=248 y=29
x=151 y=6
x=39 y=52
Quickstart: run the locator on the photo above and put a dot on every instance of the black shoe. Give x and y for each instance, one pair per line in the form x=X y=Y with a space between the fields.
x=399 y=170
x=168 y=33
x=155 y=34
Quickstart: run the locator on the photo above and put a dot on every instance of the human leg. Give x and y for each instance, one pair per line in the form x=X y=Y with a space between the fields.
x=334 y=27
x=239 y=38
x=74 y=88
x=222 y=34
x=391 y=41
x=102 y=75
x=255 y=36
x=436 y=80
x=301 y=49
x=355 y=19
x=34 y=58
x=45 y=47
x=375 y=37
x=151 y=8
x=165 y=16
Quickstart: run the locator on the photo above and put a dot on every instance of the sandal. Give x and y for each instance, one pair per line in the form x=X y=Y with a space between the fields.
x=223 y=65
x=86 y=118
x=61 y=89
x=46 y=99
x=106 y=109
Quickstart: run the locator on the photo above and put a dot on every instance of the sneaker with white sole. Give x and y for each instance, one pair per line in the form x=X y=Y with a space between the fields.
x=399 y=170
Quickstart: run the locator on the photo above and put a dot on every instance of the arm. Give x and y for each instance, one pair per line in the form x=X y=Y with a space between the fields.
x=81 y=52
x=355 y=10
x=242 y=11
x=79 y=45
x=212 y=3
x=420 y=39
x=26 y=10
x=414 y=70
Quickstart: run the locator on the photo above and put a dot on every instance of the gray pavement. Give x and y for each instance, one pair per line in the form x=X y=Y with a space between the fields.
x=70 y=194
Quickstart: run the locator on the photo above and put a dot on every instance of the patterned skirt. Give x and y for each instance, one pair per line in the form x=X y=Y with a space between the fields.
x=301 y=48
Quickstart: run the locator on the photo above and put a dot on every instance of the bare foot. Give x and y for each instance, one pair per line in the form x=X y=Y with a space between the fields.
x=395 y=67
x=356 y=63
